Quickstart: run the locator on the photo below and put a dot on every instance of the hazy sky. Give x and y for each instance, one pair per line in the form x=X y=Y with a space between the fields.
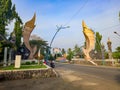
x=100 y=15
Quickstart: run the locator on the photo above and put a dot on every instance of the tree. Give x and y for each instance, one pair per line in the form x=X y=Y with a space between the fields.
x=77 y=51
x=98 y=45
x=40 y=44
x=118 y=49
x=98 y=42
x=70 y=54
x=7 y=14
x=116 y=54
x=63 y=51
x=51 y=58
x=18 y=33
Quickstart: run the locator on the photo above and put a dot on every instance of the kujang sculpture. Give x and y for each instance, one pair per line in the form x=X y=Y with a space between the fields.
x=28 y=28
x=89 y=42
x=109 y=44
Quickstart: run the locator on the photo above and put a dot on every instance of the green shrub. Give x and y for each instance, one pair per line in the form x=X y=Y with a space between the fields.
x=41 y=62
x=27 y=63
x=33 y=62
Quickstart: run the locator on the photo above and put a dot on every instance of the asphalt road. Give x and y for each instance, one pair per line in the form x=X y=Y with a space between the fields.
x=71 y=77
x=101 y=77
x=107 y=73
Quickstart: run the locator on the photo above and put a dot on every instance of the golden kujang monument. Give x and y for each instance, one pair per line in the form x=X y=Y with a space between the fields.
x=28 y=28
x=90 y=42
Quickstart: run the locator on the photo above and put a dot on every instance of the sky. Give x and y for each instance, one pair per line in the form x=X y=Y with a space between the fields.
x=100 y=15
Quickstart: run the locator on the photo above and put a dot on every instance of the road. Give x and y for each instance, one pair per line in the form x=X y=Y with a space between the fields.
x=107 y=73
x=101 y=77
x=71 y=77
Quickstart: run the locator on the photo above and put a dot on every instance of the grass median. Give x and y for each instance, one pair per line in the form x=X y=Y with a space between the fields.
x=12 y=67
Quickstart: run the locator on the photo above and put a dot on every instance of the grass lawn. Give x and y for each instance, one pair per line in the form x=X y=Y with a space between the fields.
x=23 y=67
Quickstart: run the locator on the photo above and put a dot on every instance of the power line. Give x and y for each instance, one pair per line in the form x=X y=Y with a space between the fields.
x=108 y=27
x=75 y=13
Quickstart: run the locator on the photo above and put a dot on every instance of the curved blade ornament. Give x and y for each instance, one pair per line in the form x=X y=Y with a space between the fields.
x=90 y=42
x=28 y=28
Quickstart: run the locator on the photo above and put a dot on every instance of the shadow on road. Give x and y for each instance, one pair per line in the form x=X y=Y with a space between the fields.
x=117 y=78
x=38 y=84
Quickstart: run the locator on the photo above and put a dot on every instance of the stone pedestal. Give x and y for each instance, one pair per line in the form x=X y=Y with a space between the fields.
x=17 y=61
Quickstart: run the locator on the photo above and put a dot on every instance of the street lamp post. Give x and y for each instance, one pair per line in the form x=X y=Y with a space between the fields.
x=58 y=29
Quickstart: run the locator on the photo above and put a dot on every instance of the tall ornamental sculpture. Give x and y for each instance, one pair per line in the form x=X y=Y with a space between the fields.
x=109 y=48
x=27 y=30
x=89 y=42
